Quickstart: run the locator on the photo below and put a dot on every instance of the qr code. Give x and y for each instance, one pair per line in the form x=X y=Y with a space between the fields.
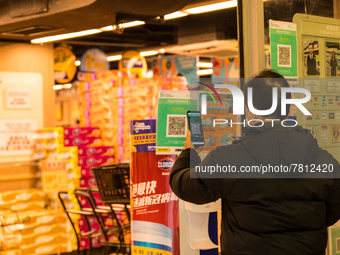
x=337 y=245
x=284 y=57
x=176 y=126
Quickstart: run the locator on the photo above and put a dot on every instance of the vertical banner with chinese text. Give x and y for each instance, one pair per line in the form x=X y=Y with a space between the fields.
x=154 y=213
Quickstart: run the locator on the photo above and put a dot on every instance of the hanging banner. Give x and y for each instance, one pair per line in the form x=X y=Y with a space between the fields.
x=133 y=63
x=94 y=60
x=64 y=65
x=224 y=68
x=172 y=120
x=176 y=65
x=154 y=207
x=283 y=48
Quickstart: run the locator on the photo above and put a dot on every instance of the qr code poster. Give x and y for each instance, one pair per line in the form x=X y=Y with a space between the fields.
x=176 y=125
x=332 y=59
x=283 y=48
x=284 y=57
x=172 y=120
x=311 y=57
x=334 y=239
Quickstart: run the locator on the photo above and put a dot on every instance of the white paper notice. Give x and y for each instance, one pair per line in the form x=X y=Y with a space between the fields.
x=18 y=98
x=333 y=86
x=312 y=85
x=16 y=136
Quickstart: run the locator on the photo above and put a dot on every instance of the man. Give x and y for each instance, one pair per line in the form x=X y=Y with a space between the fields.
x=276 y=215
x=311 y=61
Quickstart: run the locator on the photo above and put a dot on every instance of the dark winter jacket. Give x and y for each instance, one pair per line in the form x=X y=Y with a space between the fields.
x=263 y=216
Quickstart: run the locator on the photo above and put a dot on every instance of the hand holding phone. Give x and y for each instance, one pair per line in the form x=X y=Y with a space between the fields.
x=196 y=128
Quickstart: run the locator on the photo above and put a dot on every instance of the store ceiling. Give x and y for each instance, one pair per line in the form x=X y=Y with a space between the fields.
x=23 y=20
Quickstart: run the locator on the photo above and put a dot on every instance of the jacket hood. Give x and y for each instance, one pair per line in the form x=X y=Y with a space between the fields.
x=277 y=145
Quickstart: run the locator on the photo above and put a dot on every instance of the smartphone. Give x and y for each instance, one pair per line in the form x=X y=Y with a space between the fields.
x=196 y=128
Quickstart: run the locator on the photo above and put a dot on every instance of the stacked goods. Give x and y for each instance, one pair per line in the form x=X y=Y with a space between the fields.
x=83 y=150
x=91 y=153
x=96 y=102
x=47 y=233
x=47 y=141
x=85 y=242
x=90 y=157
x=111 y=99
x=49 y=144
x=136 y=99
x=82 y=136
x=24 y=200
x=32 y=229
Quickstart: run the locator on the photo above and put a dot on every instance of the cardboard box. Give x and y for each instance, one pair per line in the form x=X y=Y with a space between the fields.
x=95 y=151
x=86 y=173
x=18 y=196
x=88 y=162
x=53 y=248
x=88 y=182
x=83 y=141
x=85 y=203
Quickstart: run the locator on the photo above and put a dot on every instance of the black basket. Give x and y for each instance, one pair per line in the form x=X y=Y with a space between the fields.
x=113 y=183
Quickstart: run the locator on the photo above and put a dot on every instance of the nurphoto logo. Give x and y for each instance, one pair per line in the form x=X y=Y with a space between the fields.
x=238 y=102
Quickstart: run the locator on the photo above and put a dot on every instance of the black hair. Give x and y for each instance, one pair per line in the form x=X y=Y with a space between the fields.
x=262 y=92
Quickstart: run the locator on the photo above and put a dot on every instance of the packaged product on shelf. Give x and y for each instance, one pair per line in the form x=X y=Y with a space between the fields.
x=85 y=243
x=95 y=96
x=96 y=151
x=81 y=131
x=70 y=152
x=32 y=235
x=48 y=140
x=93 y=161
x=48 y=247
x=88 y=182
x=74 y=173
x=44 y=228
x=94 y=85
x=11 y=252
x=111 y=75
x=87 y=173
x=21 y=196
x=83 y=225
x=83 y=141
x=73 y=184
x=85 y=203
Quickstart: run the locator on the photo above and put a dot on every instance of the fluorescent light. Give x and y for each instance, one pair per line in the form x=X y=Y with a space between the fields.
x=125 y=25
x=204 y=65
x=62 y=86
x=148 y=53
x=204 y=72
x=151 y=52
x=107 y=28
x=211 y=7
x=57 y=87
x=114 y=58
x=174 y=15
x=133 y=23
x=65 y=36
x=77 y=63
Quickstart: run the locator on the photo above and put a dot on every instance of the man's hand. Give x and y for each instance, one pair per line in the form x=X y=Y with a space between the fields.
x=188 y=143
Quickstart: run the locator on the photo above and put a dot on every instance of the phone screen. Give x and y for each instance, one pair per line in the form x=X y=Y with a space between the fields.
x=196 y=128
